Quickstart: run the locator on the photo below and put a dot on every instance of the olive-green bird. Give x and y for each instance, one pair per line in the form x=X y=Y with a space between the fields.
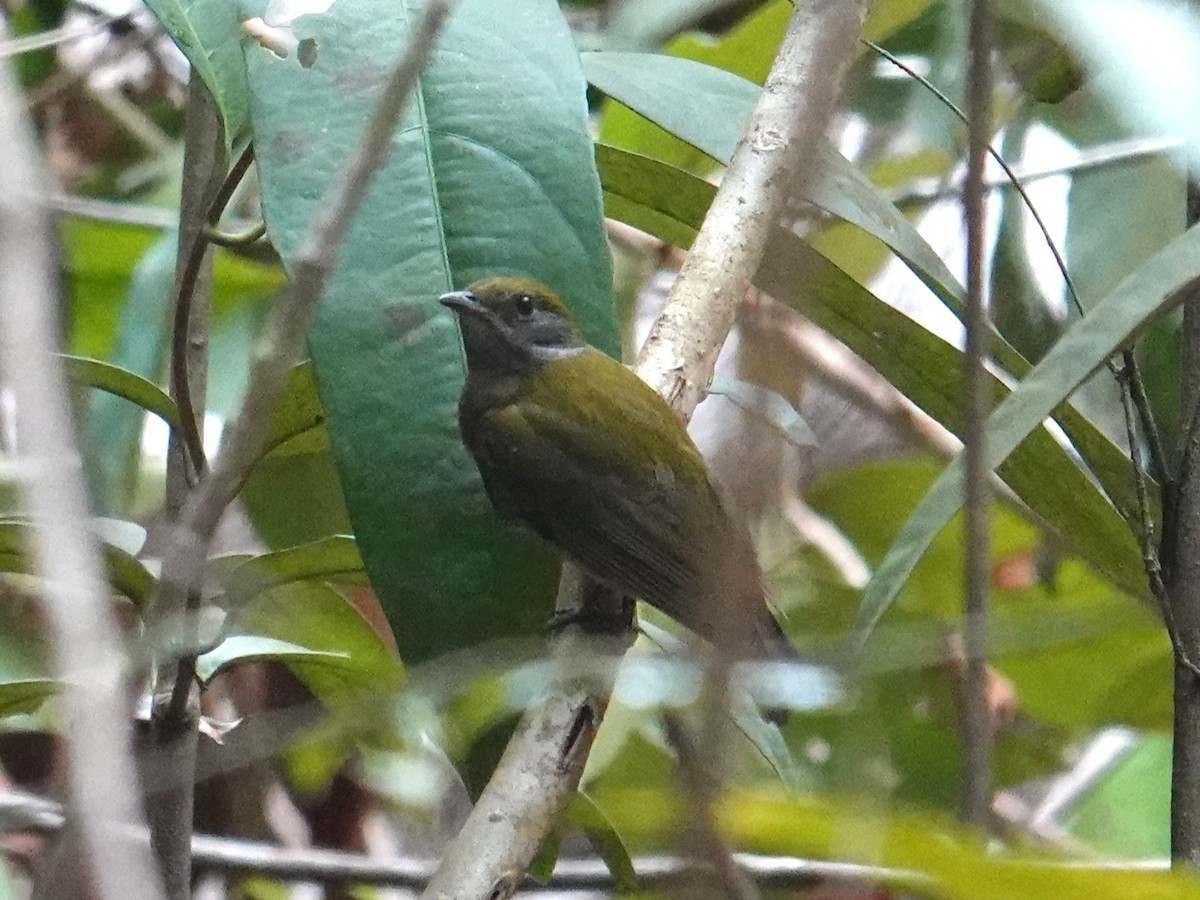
x=595 y=461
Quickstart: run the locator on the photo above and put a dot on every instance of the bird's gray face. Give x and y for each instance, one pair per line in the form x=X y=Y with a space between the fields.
x=512 y=330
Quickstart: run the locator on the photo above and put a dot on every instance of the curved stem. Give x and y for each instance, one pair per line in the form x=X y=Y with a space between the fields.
x=251 y=235
x=193 y=440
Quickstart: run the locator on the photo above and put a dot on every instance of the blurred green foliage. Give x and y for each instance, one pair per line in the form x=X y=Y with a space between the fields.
x=496 y=171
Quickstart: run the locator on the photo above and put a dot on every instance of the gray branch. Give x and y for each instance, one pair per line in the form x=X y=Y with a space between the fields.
x=85 y=644
x=796 y=105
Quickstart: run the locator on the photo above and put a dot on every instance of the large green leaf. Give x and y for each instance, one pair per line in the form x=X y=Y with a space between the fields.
x=925 y=368
x=209 y=32
x=1111 y=324
x=490 y=173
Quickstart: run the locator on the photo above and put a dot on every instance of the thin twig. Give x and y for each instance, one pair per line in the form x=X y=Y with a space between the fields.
x=172 y=739
x=1131 y=380
x=708 y=850
x=975 y=720
x=85 y=646
x=1097 y=156
x=1141 y=403
x=21 y=812
x=1150 y=559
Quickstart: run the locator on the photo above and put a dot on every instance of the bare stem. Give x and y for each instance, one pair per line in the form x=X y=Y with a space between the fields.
x=185 y=339
x=787 y=124
x=975 y=719
x=1180 y=554
x=173 y=734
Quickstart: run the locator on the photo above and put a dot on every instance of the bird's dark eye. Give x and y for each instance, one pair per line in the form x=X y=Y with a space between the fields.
x=524 y=305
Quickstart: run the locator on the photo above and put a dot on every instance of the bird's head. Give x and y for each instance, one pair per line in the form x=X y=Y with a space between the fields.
x=513 y=325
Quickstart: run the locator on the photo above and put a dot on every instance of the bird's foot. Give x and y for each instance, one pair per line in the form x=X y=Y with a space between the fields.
x=594 y=619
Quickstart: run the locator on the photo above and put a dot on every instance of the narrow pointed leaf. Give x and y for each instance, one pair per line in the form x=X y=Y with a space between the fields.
x=335 y=557
x=239 y=649
x=917 y=362
x=122 y=383
x=1113 y=323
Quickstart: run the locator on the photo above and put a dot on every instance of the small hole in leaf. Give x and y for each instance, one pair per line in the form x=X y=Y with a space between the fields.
x=307 y=51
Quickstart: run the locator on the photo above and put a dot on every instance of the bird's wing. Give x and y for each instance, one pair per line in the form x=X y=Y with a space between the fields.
x=633 y=527
x=498 y=491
